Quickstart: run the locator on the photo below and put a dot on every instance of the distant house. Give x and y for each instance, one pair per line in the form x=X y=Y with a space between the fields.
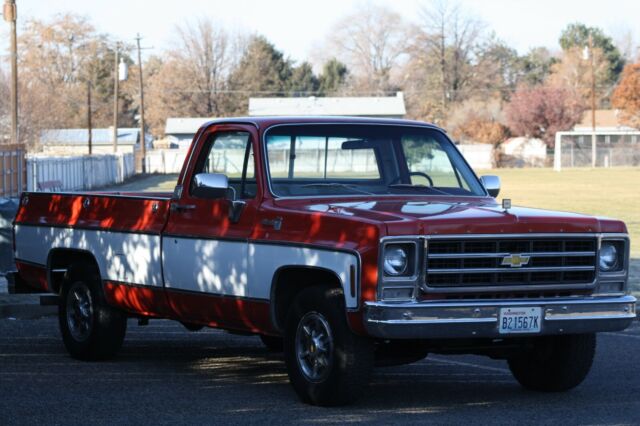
x=76 y=141
x=606 y=120
x=371 y=106
x=180 y=131
x=523 y=152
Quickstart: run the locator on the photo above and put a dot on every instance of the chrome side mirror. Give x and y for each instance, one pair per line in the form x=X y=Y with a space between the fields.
x=210 y=185
x=491 y=184
x=216 y=185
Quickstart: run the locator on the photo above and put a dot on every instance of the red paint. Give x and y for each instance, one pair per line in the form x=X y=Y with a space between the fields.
x=205 y=309
x=147 y=300
x=221 y=311
x=353 y=224
x=34 y=275
x=104 y=212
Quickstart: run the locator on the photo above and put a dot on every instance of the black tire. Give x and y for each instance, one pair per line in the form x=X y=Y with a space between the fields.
x=555 y=363
x=191 y=326
x=91 y=329
x=343 y=359
x=272 y=343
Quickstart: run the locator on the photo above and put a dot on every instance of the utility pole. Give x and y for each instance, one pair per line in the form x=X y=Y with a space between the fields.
x=143 y=142
x=116 y=78
x=89 y=126
x=593 y=103
x=10 y=13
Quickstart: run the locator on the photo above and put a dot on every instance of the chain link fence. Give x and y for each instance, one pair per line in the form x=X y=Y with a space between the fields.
x=613 y=149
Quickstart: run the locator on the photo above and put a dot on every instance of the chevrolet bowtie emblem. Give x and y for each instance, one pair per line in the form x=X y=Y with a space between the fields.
x=515 y=260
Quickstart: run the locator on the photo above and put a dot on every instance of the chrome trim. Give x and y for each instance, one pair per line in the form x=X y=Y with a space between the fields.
x=511 y=270
x=590 y=317
x=511 y=287
x=491 y=184
x=493 y=255
x=403 y=282
x=620 y=276
x=505 y=302
x=524 y=235
x=624 y=270
x=440 y=319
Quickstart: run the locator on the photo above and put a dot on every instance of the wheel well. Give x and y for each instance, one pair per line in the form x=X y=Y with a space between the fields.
x=60 y=260
x=289 y=281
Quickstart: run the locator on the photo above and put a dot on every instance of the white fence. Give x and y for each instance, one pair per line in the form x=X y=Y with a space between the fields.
x=78 y=172
x=165 y=160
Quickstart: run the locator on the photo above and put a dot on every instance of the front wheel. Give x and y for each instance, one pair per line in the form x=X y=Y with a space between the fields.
x=555 y=363
x=327 y=363
x=90 y=328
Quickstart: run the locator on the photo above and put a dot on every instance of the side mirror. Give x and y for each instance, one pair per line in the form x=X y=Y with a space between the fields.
x=210 y=185
x=491 y=184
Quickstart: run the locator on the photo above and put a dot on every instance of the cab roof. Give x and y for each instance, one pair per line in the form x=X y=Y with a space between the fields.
x=262 y=123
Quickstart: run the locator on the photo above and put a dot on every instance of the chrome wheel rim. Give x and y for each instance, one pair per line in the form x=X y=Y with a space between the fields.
x=314 y=346
x=79 y=312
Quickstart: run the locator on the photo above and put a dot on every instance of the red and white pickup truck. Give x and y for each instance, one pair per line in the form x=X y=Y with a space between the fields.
x=345 y=242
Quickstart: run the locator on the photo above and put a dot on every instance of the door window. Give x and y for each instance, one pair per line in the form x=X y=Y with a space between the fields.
x=231 y=154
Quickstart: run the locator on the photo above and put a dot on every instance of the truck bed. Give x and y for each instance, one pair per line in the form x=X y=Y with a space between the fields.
x=124 y=227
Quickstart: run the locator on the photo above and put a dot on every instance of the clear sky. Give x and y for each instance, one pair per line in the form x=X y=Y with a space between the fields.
x=299 y=26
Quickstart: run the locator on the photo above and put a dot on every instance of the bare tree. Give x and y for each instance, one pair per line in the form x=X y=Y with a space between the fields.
x=58 y=59
x=204 y=50
x=444 y=44
x=370 y=41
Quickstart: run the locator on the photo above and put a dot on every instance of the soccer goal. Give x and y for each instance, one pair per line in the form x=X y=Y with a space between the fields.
x=613 y=149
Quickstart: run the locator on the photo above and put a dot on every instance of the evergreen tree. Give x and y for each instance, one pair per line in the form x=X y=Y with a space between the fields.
x=261 y=72
x=577 y=36
x=303 y=81
x=333 y=77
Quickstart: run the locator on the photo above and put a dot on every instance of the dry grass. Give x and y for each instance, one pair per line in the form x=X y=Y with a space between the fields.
x=611 y=192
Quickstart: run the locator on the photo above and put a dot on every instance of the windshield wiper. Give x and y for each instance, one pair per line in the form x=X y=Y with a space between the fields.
x=416 y=187
x=336 y=185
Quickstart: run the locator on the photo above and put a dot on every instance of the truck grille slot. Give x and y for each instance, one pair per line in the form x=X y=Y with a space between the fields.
x=510 y=262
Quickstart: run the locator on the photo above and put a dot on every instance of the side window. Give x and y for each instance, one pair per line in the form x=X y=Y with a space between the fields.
x=427 y=157
x=231 y=154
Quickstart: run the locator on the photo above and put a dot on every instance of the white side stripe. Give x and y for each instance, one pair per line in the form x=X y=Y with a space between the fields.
x=231 y=268
x=128 y=257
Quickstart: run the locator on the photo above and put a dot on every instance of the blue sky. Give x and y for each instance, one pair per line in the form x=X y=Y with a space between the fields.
x=299 y=27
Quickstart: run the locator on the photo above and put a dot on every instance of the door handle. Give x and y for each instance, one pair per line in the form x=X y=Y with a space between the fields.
x=179 y=208
x=276 y=223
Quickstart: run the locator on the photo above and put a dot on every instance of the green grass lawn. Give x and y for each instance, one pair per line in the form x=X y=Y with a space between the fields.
x=611 y=192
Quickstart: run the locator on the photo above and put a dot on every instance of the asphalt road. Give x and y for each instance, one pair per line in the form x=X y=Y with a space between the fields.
x=167 y=375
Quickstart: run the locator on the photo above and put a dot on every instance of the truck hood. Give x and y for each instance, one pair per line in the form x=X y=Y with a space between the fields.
x=451 y=215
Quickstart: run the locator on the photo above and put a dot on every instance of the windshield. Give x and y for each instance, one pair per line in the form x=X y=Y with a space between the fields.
x=317 y=160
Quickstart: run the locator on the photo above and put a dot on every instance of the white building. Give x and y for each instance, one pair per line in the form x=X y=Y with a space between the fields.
x=370 y=106
x=76 y=141
x=179 y=131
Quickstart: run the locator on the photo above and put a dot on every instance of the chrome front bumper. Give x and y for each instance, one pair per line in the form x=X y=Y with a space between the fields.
x=430 y=320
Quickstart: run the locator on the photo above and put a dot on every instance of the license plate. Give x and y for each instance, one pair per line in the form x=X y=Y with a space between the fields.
x=520 y=320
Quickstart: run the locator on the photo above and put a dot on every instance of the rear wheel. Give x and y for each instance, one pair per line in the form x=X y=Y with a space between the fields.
x=326 y=362
x=90 y=328
x=555 y=363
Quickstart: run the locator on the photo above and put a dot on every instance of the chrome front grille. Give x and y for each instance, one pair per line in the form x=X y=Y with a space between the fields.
x=510 y=262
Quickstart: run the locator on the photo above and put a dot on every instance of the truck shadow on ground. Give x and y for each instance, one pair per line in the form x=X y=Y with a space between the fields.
x=437 y=386
x=166 y=375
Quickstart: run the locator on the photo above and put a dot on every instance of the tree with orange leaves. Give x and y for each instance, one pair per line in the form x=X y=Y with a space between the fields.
x=626 y=96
